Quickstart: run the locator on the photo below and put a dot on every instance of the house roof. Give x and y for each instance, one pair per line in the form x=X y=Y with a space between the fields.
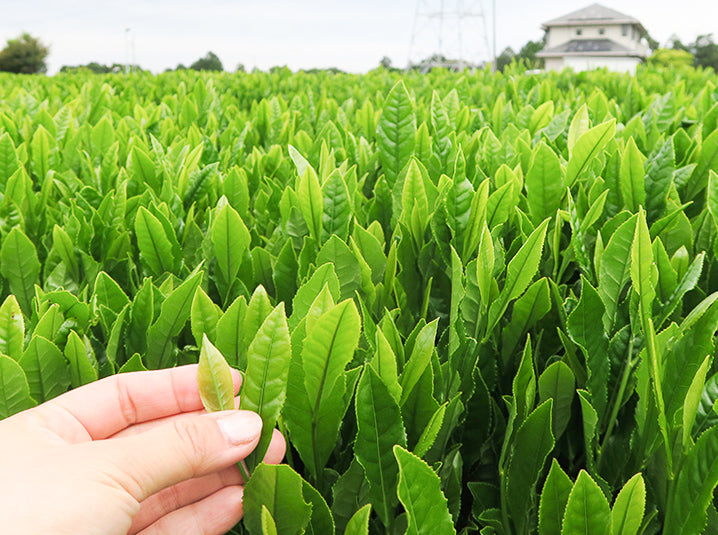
x=593 y=14
x=589 y=47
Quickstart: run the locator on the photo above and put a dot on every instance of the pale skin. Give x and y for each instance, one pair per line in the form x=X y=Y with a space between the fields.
x=131 y=454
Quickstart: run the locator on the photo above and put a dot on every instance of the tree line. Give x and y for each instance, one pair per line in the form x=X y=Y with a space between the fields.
x=27 y=55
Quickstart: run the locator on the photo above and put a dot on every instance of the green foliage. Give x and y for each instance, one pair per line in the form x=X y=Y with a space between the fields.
x=24 y=55
x=470 y=302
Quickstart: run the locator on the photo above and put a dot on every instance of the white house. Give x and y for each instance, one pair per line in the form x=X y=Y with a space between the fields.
x=592 y=38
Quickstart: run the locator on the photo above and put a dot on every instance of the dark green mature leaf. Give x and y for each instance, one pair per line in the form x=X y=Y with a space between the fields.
x=14 y=388
x=12 y=328
x=265 y=381
x=706 y=416
x=587 y=511
x=379 y=429
x=173 y=316
x=20 y=266
x=534 y=441
x=586 y=329
x=557 y=382
x=693 y=487
x=628 y=508
x=347 y=267
x=554 y=497
x=615 y=269
x=419 y=490
x=280 y=490
x=229 y=330
x=395 y=132
x=519 y=273
x=528 y=309
x=337 y=212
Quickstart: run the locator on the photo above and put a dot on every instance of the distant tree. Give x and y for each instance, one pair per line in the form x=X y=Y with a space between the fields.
x=385 y=63
x=705 y=52
x=240 y=68
x=24 y=55
x=671 y=58
x=528 y=52
x=208 y=63
x=99 y=68
x=504 y=59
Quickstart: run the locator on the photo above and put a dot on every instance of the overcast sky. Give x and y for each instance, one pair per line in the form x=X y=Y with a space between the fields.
x=352 y=34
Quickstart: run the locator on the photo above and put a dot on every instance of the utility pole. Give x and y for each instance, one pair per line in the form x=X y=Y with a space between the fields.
x=450 y=34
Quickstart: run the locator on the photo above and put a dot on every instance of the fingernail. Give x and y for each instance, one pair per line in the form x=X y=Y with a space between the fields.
x=241 y=427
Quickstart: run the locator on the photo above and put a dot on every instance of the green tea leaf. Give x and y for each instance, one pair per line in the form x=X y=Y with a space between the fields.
x=589 y=145
x=20 y=266
x=379 y=428
x=419 y=490
x=628 y=508
x=14 y=388
x=152 y=241
x=359 y=523
x=395 y=132
x=46 y=369
x=231 y=240
x=82 y=369
x=214 y=379
x=557 y=382
x=12 y=328
x=278 y=489
x=554 y=497
x=587 y=510
x=265 y=381
x=544 y=183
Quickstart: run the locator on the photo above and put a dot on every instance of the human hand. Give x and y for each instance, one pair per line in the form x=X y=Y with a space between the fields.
x=132 y=453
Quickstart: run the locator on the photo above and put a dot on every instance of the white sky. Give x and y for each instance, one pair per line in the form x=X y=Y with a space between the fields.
x=352 y=34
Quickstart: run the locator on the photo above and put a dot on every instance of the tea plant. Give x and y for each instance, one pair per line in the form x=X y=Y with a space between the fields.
x=471 y=302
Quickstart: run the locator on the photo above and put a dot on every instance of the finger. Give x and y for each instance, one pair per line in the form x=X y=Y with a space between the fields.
x=277 y=448
x=105 y=407
x=182 y=494
x=144 y=464
x=214 y=515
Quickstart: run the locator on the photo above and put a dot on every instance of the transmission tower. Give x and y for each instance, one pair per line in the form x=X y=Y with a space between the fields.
x=449 y=33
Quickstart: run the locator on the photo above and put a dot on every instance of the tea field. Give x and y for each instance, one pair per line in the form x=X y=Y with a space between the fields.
x=471 y=302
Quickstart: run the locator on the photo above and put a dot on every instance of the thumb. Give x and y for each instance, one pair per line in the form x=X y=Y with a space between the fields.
x=185 y=448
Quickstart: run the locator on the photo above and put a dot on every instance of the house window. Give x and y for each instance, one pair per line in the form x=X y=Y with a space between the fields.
x=601 y=31
x=624 y=30
x=579 y=31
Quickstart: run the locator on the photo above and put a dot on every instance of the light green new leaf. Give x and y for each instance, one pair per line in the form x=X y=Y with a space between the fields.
x=413 y=194
x=204 y=316
x=641 y=264
x=321 y=521
x=14 y=388
x=337 y=211
x=419 y=359
x=328 y=348
x=554 y=497
x=46 y=369
x=230 y=239
x=277 y=488
x=633 y=176
x=268 y=525
x=589 y=145
x=20 y=266
x=379 y=428
x=82 y=369
x=384 y=363
x=265 y=382
x=587 y=511
x=544 y=183
x=431 y=431
x=311 y=202
x=308 y=292
x=579 y=125
x=230 y=329
x=419 y=490
x=359 y=522
x=693 y=398
x=395 y=132
x=534 y=441
x=214 y=379
x=628 y=508
x=12 y=328
x=707 y=161
x=712 y=196
x=152 y=241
